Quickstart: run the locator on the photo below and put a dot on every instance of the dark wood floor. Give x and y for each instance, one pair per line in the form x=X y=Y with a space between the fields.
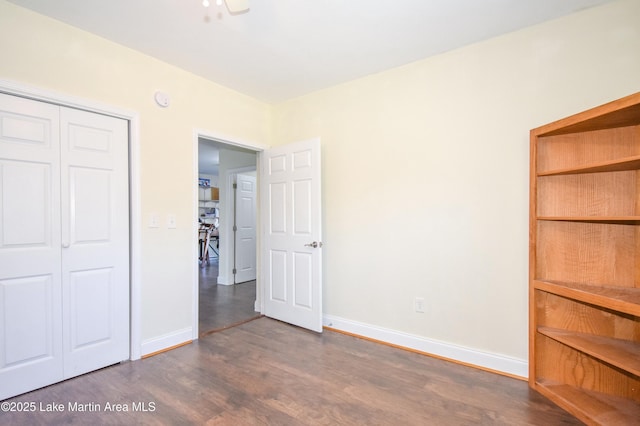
x=222 y=306
x=265 y=372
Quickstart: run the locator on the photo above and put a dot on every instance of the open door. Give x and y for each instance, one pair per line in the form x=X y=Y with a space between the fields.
x=245 y=228
x=291 y=229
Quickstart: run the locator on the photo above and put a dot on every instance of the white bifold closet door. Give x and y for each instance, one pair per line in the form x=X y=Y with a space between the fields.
x=64 y=243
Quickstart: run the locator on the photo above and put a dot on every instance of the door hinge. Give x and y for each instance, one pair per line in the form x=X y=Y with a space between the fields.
x=235 y=186
x=235 y=228
x=234 y=271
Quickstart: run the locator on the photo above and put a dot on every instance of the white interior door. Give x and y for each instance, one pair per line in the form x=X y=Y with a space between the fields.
x=64 y=245
x=291 y=227
x=30 y=274
x=95 y=240
x=245 y=243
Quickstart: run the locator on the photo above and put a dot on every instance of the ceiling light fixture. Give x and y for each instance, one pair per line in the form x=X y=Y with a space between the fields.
x=234 y=6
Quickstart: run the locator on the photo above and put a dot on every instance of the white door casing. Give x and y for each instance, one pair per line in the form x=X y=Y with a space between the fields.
x=64 y=240
x=245 y=235
x=292 y=236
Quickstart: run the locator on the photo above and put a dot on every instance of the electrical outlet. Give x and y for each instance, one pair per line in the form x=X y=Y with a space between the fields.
x=418 y=304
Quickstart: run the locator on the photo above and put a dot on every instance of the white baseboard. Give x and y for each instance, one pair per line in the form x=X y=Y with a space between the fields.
x=168 y=340
x=224 y=280
x=499 y=363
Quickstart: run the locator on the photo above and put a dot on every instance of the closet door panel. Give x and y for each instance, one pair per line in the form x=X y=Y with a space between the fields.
x=29 y=334
x=90 y=206
x=30 y=253
x=95 y=234
x=26 y=187
x=90 y=294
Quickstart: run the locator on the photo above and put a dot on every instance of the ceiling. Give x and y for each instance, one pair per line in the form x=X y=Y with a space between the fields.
x=209 y=155
x=283 y=49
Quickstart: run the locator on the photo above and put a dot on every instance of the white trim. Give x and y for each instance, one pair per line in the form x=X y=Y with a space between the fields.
x=225 y=244
x=135 y=195
x=261 y=235
x=228 y=140
x=37 y=93
x=195 y=303
x=224 y=279
x=491 y=361
x=218 y=137
x=165 y=341
x=44 y=95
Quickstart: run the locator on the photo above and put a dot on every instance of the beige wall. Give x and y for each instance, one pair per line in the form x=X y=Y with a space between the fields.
x=45 y=53
x=425 y=177
x=425 y=167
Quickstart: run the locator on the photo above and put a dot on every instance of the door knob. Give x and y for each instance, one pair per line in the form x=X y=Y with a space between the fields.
x=314 y=244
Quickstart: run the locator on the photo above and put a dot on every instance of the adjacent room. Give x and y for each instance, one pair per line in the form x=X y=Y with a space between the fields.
x=227 y=275
x=396 y=185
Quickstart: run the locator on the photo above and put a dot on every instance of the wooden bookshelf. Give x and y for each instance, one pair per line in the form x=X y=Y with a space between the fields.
x=584 y=258
x=622 y=299
x=592 y=407
x=617 y=352
x=623 y=164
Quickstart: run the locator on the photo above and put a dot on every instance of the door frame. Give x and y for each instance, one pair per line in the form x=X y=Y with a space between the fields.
x=135 y=224
x=231 y=141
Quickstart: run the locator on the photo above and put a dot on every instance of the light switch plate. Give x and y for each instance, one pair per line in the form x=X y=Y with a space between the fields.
x=171 y=221
x=154 y=220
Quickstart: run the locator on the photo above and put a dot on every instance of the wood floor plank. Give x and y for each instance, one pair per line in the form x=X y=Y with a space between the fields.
x=223 y=306
x=265 y=372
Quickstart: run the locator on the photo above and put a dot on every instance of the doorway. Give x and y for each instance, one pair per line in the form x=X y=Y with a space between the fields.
x=290 y=242
x=224 y=298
